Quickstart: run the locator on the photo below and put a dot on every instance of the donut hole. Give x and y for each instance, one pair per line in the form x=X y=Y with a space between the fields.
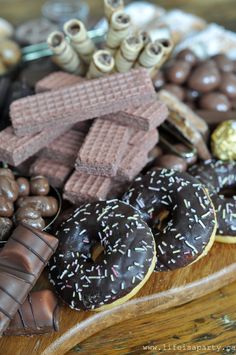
x=160 y=219
x=96 y=252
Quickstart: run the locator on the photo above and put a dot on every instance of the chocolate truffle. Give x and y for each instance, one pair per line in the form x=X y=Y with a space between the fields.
x=223 y=63
x=188 y=56
x=6 y=207
x=171 y=161
x=8 y=188
x=39 y=185
x=5 y=228
x=178 y=71
x=228 y=85
x=24 y=186
x=215 y=101
x=204 y=78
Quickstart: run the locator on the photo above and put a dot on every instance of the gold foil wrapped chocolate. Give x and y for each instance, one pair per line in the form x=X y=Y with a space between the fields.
x=223 y=141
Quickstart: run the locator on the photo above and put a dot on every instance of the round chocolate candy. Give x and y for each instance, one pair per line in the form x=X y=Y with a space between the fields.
x=191 y=95
x=223 y=63
x=171 y=161
x=10 y=52
x=6 y=207
x=7 y=172
x=46 y=205
x=176 y=90
x=188 y=56
x=228 y=85
x=24 y=186
x=5 y=228
x=223 y=141
x=8 y=188
x=204 y=78
x=178 y=71
x=39 y=185
x=158 y=80
x=215 y=101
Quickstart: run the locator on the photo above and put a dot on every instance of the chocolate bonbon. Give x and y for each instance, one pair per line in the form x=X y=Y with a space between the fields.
x=23 y=186
x=8 y=188
x=6 y=207
x=215 y=101
x=23 y=258
x=39 y=186
x=46 y=205
x=178 y=71
x=6 y=225
x=30 y=216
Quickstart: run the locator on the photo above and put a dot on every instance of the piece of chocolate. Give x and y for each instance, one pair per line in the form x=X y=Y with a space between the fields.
x=6 y=225
x=82 y=101
x=178 y=71
x=228 y=85
x=39 y=314
x=57 y=80
x=23 y=186
x=15 y=150
x=171 y=161
x=23 y=258
x=55 y=171
x=7 y=172
x=30 y=217
x=204 y=78
x=215 y=101
x=224 y=63
x=39 y=185
x=9 y=188
x=188 y=56
x=6 y=207
x=46 y=205
x=103 y=148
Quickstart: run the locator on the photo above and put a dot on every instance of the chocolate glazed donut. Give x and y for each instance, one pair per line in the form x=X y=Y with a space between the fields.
x=189 y=229
x=217 y=175
x=112 y=277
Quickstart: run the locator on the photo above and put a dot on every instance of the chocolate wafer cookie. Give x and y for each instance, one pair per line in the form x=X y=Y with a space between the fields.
x=15 y=150
x=55 y=171
x=65 y=149
x=82 y=187
x=103 y=148
x=82 y=101
x=57 y=80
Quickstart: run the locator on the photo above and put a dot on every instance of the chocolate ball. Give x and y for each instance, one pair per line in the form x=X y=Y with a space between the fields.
x=188 y=56
x=46 y=205
x=6 y=207
x=228 y=85
x=39 y=185
x=8 y=188
x=204 y=78
x=171 y=161
x=181 y=148
x=10 y=52
x=215 y=101
x=24 y=186
x=191 y=95
x=7 y=172
x=178 y=71
x=5 y=228
x=158 y=80
x=176 y=90
x=223 y=63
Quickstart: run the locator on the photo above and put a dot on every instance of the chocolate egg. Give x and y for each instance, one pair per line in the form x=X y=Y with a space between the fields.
x=178 y=71
x=204 y=78
x=39 y=185
x=188 y=56
x=6 y=207
x=8 y=188
x=228 y=85
x=7 y=172
x=24 y=186
x=223 y=63
x=176 y=90
x=158 y=80
x=5 y=228
x=46 y=205
x=191 y=95
x=10 y=52
x=171 y=161
x=215 y=101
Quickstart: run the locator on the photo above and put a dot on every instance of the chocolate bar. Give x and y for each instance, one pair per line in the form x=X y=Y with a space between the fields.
x=66 y=148
x=57 y=80
x=23 y=258
x=56 y=172
x=39 y=314
x=82 y=101
x=15 y=150
x=103 y=148
x=82 y=187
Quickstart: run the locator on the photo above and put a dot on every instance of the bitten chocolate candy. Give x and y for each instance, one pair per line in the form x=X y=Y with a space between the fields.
x=223 y=63
x=46 y=205
x=228 y=85
x=204 y=78
x=39 y=185
x=29 y=216
x=7 y=172
x=178 y=71
x=215 y=101
x=24 y=186
x=5 y=228
x=188 y=56
x=171 y=161
x=176 y=90
x=8 y=188
x=6 y=207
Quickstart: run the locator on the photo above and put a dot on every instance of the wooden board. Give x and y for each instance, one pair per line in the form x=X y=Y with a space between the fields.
x=162 y=291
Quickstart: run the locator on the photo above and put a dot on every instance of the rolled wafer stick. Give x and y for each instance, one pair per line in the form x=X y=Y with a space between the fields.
x=102 y=63
x=151 y=55
x=118 y=30
x=167 y=45
x=145 y=37
x=64 y=54
x=128 y=53
x=110 y=6
x=79 y=39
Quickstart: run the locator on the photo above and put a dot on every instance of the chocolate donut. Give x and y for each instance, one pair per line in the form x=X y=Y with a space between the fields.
x=87 y=282
x=218 y=175
x=189 y=230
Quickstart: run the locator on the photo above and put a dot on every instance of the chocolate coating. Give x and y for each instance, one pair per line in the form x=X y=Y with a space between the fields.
x=228 y=85
x=8 y=188
x=5 y=228
x=191 y=95
x=30 y=217
x=223 y=63
x=6 y=207
x=176 y=90
x=158 y=80
x=188 y=56
x=215 y=101
x=191 y=220
x=24 y=186
x=39 y=185
x=7 y=172
x=178 y=71
x=171 y=161
x=129 y=252
x=46 y=205
x=204 y=78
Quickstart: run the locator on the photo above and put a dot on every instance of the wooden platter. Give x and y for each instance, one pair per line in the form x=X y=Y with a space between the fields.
x=162 y=291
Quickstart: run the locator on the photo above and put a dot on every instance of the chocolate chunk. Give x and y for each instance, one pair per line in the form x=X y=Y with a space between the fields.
x=224 y=63
x=188 y=56
x=24 y=186
x=6 y=207
x=228 y=85
x=5 y=228
x=215 y=101
x=8 y=188
x=170 y=161
x=204 y=78
x=178 y=71
x=39 y=186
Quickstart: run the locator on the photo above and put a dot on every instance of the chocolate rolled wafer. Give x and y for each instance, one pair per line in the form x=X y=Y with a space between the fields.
x=151 y=55
x=128 y=53
x=65 y=149
x=23 y=259
x=103 y=148
x=64 y=55
x=167 y=46
x=79 y=39
x=56 y=172
x=82 y=187
x=102 y=63
x=111 y=6
x=39 y=314
x=144 y=36
x=15 y=150
x=80 y=102
x=57 y=80
x=119 y=27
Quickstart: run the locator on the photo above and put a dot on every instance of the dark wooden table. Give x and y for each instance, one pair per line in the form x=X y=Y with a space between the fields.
x=204 y=326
